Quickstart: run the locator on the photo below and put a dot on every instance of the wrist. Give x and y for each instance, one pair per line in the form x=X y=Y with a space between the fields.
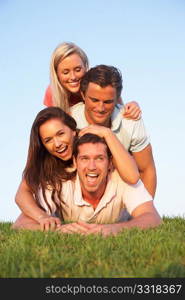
x=40 y=217
x=108 y=133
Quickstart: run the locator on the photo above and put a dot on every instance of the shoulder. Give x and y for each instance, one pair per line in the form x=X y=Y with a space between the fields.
x=77 y=107
x=119 y=122
x=135 y=195
x=48 y=97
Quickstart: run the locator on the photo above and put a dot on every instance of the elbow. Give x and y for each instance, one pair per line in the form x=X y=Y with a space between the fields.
x=17 y=199
x=157 y=221
x=134 y=179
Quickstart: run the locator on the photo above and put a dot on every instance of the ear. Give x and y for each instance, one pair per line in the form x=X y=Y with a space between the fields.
x=74 y=161
x=82 y=95
x=111 y=166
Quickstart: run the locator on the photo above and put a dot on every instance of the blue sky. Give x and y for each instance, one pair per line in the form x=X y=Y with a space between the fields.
x=145 y=39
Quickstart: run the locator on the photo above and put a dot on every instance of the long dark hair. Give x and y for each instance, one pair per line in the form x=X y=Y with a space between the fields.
x=43 y=170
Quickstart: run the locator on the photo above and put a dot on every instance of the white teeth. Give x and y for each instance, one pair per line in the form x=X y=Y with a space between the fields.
x=74 y=83
x=62 y=149
x=92 y=175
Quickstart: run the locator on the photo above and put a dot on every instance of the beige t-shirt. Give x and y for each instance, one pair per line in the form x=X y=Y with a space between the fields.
x=118 y=197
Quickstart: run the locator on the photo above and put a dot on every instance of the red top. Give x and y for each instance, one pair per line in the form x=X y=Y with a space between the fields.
x=74 y=98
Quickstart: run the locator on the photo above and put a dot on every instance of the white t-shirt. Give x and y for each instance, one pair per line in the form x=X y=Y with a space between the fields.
x=132 y=134
x=119 y=197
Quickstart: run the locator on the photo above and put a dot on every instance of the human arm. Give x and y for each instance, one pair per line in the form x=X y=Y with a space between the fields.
x=25 y=200
x=144 y=216
x=122 y=160
x=146 y=166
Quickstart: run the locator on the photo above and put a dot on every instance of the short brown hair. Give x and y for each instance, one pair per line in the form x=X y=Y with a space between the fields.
x=103 y=76
x=89 y=138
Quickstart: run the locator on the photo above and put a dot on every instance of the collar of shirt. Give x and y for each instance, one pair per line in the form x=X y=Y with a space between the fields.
x=116 y=117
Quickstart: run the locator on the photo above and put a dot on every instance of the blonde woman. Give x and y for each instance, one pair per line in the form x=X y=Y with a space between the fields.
x=68 y=65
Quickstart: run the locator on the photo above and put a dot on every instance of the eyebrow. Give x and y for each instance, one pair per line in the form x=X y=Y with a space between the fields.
x=78 y=66
x=50 y=137
x=87 y=156
x=92 y=98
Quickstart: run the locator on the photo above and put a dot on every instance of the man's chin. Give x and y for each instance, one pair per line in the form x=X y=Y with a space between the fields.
x=100 y=121
x=91 y=189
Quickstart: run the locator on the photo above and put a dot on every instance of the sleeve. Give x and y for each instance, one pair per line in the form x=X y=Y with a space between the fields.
x=140 y=138
x=48 y=97
x=135 y=195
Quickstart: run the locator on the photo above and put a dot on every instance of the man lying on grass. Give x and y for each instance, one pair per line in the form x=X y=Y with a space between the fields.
x=97 y=198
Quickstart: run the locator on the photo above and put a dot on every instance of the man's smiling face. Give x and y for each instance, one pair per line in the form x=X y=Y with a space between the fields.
x=99 y=103
x=93 y=165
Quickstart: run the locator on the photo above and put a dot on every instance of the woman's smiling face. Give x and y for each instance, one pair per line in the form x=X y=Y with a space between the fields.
x=57 y=138
x=70 y=71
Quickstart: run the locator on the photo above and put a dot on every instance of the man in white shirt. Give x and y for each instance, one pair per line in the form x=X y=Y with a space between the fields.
x=101 y=88
x=99 y=196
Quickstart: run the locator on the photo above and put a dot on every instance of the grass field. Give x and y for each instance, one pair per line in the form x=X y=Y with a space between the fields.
x=150 y=253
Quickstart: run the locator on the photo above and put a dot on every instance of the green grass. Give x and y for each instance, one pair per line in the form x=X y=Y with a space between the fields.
x=158 y=252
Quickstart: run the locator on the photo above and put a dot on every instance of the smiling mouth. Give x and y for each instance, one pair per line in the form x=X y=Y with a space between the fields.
x=91 y=177
x=100 y=114
x=62 y=149
x=74 y=83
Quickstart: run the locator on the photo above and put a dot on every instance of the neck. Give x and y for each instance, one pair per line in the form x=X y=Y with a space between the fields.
x=93 y=197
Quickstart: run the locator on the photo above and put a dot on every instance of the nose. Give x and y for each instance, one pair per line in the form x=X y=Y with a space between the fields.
x=91 y=164
x=72 y=75
x=101 y=106
x=57 y=142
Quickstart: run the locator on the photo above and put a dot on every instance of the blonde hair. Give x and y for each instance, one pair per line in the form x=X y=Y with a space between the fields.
x=60 y=95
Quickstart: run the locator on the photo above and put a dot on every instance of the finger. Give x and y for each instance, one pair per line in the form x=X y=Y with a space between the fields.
x=83 y=131
x=76 y=228
x=46 y=226
x=133 y=115
x=80 y=228
x=96 y=230
x=58 y=227
x=132 y=104
x=42 y=226
x=86 y=225
x=57 y=221
x=65 y=230
x=133 y=110
x=52 y=225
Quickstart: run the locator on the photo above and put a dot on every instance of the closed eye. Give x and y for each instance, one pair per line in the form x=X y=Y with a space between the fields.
x=65 y=72
x=47 y=140
x=78 y=69
x=59 y=133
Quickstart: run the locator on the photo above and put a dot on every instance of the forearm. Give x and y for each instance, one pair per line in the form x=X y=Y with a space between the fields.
x=25 y=222
x=146 y=166
x=26 y=202
x=123 y=161
x=146 y=220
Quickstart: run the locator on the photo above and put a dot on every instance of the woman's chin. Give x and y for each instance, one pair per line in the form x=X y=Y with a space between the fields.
x=74 y=90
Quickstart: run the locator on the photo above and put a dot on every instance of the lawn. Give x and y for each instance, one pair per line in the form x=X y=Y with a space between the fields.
x=151 y=253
